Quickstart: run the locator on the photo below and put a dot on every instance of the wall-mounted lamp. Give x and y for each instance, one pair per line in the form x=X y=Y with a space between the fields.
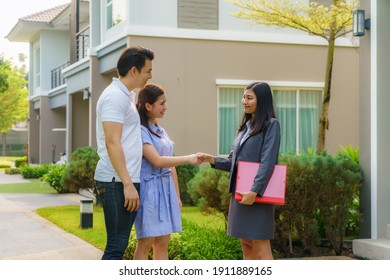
x=86 y=94
x=360 y=23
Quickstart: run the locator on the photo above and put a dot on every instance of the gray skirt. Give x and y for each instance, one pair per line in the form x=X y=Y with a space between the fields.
x=254 y=221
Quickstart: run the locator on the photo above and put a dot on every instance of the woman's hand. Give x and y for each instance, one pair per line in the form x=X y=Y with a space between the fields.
x=194 y=159
x=248 y=198
x=202 y=157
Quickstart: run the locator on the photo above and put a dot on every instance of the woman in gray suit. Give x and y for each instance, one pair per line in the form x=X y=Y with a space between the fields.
x=257 y=140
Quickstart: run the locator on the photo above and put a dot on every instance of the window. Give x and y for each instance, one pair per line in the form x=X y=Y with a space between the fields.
x=37 y=66
x=197 y=14
x=323 y=2
x=115 y=12
x=296 y=109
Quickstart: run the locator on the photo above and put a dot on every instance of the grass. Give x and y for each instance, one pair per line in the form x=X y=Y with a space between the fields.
x=68 y=218
x=33 y=186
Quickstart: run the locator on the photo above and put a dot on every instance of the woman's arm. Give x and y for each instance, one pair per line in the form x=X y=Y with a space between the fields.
x=150 y=153
x=269 y=156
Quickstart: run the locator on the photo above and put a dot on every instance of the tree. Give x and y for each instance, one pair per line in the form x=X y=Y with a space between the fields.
x=329 y=22
x=13 y=97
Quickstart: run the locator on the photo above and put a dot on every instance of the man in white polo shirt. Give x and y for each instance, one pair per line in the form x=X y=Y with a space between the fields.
x=118 y=133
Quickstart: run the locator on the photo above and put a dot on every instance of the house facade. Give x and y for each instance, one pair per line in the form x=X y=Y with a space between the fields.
x=204 y=57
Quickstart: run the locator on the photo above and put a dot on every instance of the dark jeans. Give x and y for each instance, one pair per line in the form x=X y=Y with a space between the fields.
x=118 y=220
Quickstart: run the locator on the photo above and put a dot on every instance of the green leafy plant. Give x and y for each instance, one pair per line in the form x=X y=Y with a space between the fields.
x=54 y=176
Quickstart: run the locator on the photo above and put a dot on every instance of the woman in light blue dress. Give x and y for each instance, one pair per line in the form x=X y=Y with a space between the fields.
x=160 y=204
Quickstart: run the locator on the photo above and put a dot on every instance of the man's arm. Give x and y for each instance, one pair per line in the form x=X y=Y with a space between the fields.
x=113 y=133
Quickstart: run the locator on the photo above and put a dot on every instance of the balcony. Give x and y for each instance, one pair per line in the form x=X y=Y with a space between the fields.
x=82 y=39
x=57 y=78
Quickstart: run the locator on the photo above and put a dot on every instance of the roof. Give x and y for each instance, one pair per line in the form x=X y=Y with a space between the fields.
x=45 y=16
x=27 y=26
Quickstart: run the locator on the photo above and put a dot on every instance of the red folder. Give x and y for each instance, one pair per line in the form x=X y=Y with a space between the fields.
x=276 y=188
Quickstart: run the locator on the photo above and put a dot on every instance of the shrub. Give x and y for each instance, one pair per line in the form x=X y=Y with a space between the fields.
x=185 y=173
x=12 y=171
x=5 y=164
x=20 y=161
x=34 y=171
x=53 y=177
x=320 y=193
x=197 y=243
x=80 y=171
x=209 y=190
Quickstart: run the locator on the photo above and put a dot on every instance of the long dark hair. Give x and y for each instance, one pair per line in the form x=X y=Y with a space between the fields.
x=149 y=94
x=264 y=110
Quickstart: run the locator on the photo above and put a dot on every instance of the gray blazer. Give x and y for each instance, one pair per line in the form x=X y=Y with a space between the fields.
x=262 y=147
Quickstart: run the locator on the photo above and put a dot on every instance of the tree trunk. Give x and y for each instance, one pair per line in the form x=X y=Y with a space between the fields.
x=4 y=143
x=324 y=120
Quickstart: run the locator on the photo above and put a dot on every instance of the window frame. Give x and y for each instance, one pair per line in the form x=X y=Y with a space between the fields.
x=296 y=86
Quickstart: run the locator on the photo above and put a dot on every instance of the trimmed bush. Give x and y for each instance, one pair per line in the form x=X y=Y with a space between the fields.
x=20 y=162
x=320 y=193
x=34 y=171
x=5 y=164
x=12 y=171
x=185 y=173
x=80 y=171
x=209 y=190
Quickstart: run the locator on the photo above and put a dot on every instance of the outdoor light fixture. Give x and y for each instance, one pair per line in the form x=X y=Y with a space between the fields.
x=86 y=94
x=360 y=23
x=86 y=213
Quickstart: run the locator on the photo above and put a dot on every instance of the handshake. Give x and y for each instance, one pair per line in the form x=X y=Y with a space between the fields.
x=200 y=158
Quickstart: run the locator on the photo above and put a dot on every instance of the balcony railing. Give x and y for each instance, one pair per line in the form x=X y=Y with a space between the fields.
x=82 y=39
x=57 y=78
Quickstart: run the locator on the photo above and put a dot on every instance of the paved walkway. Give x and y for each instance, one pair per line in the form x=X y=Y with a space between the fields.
x=25 y=235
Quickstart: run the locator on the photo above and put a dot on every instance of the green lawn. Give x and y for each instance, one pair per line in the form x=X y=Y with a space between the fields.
x=34 y=186
x=68 y=218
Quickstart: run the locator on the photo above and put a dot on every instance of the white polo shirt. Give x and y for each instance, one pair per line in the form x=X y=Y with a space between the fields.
x=117 y=104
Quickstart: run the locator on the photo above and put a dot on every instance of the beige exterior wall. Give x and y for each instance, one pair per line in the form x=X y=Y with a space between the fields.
x=96 y=87
x=80 y=121
x=188 y=70
x=46 y=145
x=33 y=134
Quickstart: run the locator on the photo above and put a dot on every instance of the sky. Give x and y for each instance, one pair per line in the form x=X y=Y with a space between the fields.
x=9 y=17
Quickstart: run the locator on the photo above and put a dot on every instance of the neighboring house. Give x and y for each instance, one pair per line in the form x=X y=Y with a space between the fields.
x=15 y=140
x=204 y=57
x=374 y=134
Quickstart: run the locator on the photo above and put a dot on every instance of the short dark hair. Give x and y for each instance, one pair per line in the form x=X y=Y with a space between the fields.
x=133 y=57
x=264 y=111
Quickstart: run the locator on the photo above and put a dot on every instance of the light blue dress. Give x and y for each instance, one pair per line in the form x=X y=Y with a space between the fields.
x=159 y=212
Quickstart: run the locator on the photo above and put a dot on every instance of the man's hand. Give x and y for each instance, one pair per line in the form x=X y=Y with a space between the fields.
x=248 y=198
x=131 y=198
